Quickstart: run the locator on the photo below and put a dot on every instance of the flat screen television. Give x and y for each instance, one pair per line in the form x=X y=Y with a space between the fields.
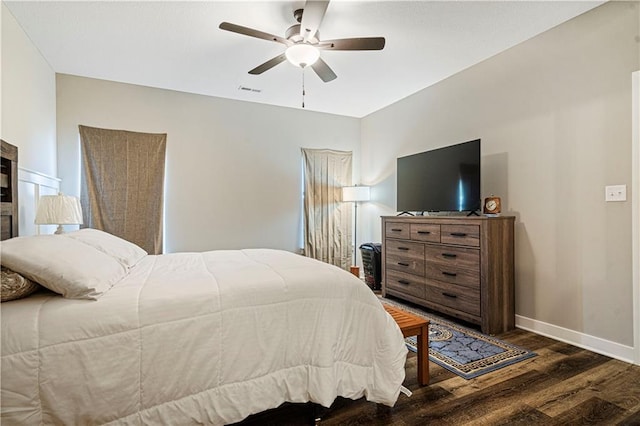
x=440 y=180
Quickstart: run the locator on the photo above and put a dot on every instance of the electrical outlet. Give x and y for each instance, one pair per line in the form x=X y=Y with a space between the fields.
x=615 y=193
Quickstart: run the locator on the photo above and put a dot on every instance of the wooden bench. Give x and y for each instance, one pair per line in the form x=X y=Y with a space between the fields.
x=413 y=325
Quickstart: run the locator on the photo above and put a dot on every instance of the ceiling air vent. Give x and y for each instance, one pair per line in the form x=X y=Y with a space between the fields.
x=249 y=89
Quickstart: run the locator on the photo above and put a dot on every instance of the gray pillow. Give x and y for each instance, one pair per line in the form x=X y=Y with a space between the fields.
x=15 y=286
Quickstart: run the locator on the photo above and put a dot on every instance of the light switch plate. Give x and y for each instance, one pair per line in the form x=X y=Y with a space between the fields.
x=615 y=193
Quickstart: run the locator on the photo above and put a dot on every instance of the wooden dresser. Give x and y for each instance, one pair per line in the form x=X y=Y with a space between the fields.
x=460 y=266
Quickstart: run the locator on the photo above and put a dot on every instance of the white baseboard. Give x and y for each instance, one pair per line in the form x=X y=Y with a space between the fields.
x=585 y=341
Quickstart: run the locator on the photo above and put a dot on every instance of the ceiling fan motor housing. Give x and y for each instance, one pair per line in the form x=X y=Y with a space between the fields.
x=293 y=34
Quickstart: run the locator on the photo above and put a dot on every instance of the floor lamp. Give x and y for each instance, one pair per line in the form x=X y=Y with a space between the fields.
x=355 y=194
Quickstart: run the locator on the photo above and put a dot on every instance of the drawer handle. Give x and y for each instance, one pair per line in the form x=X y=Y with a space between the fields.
x=449 y=274
x=396 y=230
x=453 y=296
x=450 y=255
x=403 y=264
x=424 y=232
x=403 y=248
x=459 y=234
x=405 y=282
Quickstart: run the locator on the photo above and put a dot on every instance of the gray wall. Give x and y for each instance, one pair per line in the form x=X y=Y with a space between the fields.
x=554 y=116
x=28 y=99
x=233 y=170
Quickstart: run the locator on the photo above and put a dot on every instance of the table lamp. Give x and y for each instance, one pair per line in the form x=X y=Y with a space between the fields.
x=58 y=210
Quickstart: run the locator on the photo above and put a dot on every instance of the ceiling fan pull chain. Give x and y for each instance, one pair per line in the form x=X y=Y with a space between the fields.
x=303 y=93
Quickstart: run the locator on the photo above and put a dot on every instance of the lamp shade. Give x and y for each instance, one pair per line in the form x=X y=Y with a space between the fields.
x=302 y=54
x=58 y=210
x=355 y=193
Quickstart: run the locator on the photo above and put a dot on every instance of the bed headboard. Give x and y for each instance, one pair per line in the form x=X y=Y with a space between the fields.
x=8 y=191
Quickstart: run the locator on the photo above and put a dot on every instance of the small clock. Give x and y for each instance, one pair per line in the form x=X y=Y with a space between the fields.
x=492 y=206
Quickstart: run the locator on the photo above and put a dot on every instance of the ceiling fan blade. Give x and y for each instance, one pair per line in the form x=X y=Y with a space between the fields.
x=268 y=65
x=359 y=43
x=312 y=16
x=228 y=26
x=324 y=72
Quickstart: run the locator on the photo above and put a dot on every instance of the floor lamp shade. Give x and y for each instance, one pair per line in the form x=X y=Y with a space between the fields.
x=355 y=193
x=58 y=210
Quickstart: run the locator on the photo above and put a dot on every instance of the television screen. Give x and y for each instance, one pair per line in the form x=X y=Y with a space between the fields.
x=444 y=179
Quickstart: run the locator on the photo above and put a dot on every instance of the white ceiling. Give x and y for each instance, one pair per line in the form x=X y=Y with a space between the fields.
x=177 y=45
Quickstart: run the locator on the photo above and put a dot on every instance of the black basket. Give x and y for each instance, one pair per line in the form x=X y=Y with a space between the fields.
x=371 y=254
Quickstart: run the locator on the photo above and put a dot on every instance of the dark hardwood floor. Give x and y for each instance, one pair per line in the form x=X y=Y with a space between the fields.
x=563 y=385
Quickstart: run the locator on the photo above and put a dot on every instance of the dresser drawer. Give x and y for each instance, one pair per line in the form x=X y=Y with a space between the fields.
x=405 y=249
x=454 y=257
x=453 y=296
x=464 y=235
x=405 y=264
x=397 y=230
x=412 y=285
x=425 y=232
x=460 y=276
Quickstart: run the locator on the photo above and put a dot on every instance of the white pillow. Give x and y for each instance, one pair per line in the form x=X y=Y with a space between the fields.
x=65 y=265
x=128 y=254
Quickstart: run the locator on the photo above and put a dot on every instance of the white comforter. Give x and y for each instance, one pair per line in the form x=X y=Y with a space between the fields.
x=199 y=338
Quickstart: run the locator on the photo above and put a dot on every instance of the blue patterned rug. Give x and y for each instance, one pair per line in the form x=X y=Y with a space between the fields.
x=461 y=350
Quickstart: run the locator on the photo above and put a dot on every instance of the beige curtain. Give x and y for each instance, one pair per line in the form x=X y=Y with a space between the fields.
x=122 y=184
x=327 y=221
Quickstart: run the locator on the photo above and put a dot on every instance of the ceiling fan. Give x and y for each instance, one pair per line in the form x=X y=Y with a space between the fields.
x=303 y=41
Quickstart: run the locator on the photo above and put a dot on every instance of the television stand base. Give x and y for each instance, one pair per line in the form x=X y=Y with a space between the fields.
x=473 y=213
x=407 y=213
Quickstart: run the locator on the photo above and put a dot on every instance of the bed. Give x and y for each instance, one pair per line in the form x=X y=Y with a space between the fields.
x=122 y=337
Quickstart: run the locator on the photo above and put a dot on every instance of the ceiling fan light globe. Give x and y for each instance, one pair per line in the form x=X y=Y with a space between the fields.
x=302 y=55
